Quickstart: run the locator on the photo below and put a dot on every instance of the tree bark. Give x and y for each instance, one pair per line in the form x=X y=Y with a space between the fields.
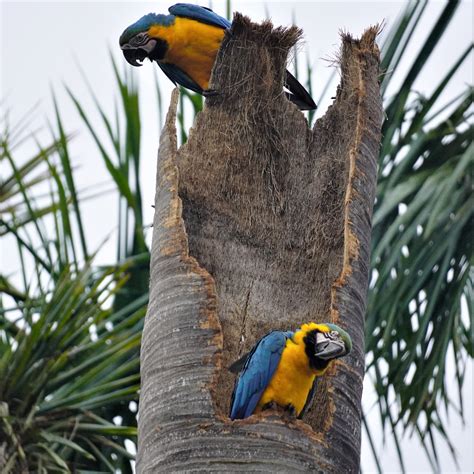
x=260 y=223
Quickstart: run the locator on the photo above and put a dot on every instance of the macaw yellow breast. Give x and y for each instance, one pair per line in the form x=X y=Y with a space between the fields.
x=192 y=46
x=293 y=379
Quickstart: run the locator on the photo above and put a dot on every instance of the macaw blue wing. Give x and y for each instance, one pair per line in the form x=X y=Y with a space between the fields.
x=258 y=370
x=202 y=14
x=178 y=76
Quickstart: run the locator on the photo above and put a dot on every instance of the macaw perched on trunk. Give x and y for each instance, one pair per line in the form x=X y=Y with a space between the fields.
x=185 y=45
x=283 y=367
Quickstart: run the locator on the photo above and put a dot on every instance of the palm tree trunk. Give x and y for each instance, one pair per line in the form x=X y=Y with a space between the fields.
x=260 y=224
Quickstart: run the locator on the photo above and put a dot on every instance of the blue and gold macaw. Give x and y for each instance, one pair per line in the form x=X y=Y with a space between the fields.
x=184 y=44
x=283 y=367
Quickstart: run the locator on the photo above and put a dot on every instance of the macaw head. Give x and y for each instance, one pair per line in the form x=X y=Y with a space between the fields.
x=138 y=43
x=325 y=342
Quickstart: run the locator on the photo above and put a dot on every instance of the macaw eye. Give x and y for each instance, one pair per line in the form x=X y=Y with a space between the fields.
x=332 y=335
x=141 y=38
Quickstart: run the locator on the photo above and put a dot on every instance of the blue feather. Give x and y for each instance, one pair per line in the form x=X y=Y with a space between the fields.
x=177 y=75
x=144 y=23
x=257 y=373
x=198 y=13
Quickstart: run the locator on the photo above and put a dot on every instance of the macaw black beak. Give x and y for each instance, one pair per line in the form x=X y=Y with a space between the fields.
x=330 y=349
x=133 y=55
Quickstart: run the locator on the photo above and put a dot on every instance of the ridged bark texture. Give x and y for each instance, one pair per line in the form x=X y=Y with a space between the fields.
x=260 y=224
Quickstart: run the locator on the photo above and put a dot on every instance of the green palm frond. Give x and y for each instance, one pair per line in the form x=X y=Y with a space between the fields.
x=422 y=253
x=61 y=370
x=59 y=332
x=121 y=156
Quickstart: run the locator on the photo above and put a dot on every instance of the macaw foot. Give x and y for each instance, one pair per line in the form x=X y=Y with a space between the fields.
x=210 y=93
x=270 y=406
x=288 y=411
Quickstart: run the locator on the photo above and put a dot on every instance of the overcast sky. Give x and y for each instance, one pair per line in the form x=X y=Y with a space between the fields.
x=43 y=43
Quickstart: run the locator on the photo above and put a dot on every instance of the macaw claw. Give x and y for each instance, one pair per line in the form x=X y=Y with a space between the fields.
x=210 y=93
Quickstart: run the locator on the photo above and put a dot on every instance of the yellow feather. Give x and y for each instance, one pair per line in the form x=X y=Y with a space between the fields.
x=192 y=46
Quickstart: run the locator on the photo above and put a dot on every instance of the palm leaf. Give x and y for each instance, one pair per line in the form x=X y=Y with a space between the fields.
x=49 y=410
x=421 y=253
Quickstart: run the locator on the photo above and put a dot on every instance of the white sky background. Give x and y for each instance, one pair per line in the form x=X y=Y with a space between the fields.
x=41 y=44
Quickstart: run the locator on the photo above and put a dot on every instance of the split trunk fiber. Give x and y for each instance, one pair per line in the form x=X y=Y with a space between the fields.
x=261 y=223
